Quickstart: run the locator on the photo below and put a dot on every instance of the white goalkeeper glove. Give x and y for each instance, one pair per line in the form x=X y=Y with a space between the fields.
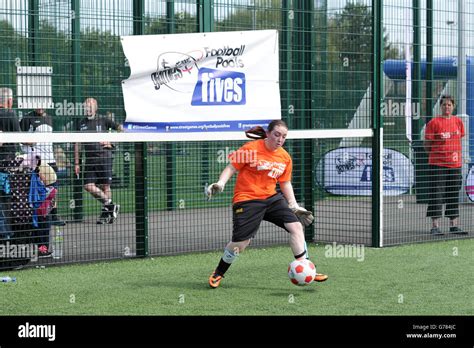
x=214 y=189
x=306 y=217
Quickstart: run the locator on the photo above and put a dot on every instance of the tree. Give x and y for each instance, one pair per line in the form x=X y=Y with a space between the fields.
x=184 y=22
x=354 y=34
x=103 y=68
x=13 y=51
x=350 y=58
x=261 y=14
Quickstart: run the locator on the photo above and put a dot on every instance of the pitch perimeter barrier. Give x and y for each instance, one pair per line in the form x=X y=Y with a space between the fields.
x=364 y=175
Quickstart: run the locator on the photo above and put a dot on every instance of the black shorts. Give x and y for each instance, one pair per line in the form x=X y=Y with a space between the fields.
x=98 y=170
x=248 y=215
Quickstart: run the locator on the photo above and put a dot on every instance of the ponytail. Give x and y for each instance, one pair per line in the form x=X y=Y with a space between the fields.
x=256 y=133
x=260 y=133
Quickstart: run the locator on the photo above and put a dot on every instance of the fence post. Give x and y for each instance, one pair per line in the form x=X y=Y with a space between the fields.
x=170 y=147
x=308 y=121
x=141 y=165
x=304 y=81
x=33 y=28
x=205 y=10
x=377 y=126
x=78 y=213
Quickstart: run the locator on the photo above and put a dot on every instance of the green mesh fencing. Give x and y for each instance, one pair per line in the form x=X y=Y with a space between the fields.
x=327 y=69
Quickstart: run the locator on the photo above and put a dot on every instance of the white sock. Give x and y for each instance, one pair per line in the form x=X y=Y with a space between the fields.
x=229 y=256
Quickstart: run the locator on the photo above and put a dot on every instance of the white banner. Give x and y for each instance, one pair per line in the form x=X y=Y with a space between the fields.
x=201 y=82
x=470 y=184
x=348 y=171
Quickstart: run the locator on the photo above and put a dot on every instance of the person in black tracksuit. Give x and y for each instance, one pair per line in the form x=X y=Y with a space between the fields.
x=98 y=161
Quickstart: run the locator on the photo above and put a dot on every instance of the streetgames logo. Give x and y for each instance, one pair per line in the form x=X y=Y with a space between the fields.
x=347 y=162
x=173 y=66
x=19 y=251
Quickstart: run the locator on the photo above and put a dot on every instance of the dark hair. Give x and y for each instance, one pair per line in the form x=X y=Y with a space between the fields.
x=260 y=133
x=447 y=97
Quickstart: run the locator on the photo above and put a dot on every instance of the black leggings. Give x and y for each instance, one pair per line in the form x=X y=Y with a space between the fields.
x=445 y=186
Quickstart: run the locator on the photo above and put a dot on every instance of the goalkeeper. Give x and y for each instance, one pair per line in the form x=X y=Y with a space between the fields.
x=260 y=165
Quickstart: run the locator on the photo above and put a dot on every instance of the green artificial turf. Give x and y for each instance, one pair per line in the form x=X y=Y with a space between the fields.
x=419 y=279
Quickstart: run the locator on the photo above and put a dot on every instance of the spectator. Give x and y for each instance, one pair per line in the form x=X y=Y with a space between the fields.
x=98 y=161
x=39 y=121
x=8 y=123
x=443 y=143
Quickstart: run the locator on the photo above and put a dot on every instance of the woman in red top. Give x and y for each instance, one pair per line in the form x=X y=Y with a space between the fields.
x=443 y=144
x=260 y=165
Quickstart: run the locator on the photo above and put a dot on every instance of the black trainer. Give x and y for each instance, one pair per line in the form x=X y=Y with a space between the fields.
x=104 y=215
x=113 y=212
x=456 y=230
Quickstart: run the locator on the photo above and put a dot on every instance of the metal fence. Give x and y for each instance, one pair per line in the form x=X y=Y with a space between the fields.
x=336 y=58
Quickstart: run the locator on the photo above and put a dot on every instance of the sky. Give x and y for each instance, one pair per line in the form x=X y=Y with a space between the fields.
x=398 y=15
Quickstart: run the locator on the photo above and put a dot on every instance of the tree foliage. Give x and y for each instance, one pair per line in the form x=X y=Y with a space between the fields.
x=342 y=46
x=350 y=59
x=353 y=34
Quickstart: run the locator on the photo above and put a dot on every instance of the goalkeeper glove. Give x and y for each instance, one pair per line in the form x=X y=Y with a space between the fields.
x=306 y=217
x=214 y=189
